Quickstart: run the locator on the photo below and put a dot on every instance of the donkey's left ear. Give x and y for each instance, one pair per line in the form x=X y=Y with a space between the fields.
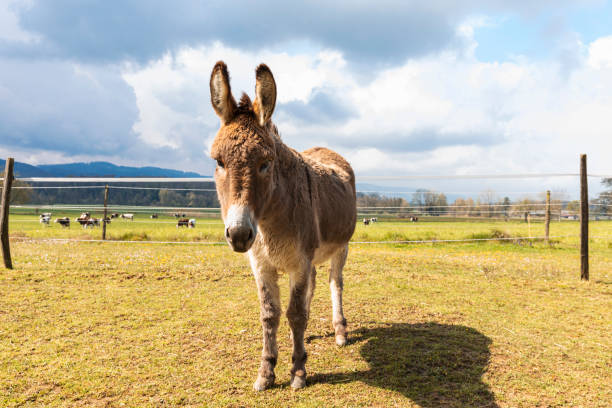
x=265 y=94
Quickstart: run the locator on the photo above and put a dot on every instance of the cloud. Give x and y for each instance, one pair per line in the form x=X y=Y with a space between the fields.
x=600 y=53
x=445 y=113
x=140 y=30
x=10 y=30
x=323 y=108
x=397 y=89
x=62 y=106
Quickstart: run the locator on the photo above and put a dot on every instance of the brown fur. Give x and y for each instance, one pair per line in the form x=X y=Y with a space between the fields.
x=303 y=208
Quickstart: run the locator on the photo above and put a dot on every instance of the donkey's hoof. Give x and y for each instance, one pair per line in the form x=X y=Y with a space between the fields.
x=263 y=383
x=298 y=380
x=341 y=340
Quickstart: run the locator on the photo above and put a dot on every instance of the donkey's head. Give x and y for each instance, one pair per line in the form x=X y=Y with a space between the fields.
x=245 y=153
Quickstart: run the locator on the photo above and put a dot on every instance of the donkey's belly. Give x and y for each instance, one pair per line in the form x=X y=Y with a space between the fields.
x=325 y=251
x=285 y=254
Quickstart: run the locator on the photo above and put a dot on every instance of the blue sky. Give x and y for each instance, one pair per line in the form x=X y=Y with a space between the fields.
x=442 y=87
x=539 y=36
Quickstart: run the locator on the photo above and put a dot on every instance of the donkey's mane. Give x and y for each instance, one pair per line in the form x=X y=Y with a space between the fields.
x=245 y=105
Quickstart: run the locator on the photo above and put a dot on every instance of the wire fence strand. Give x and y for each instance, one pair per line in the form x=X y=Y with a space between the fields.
x=431 y=241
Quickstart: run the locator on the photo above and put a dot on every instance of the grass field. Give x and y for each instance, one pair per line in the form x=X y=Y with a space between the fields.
x=484 y=324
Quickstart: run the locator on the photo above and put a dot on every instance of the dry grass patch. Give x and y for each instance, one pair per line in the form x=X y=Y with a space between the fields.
x=493 y=324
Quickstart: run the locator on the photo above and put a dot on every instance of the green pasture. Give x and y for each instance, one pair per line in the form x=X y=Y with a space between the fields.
x=480 y=324
x=209 y=228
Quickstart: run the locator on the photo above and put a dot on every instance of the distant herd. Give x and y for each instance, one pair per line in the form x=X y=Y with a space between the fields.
x=86 y=220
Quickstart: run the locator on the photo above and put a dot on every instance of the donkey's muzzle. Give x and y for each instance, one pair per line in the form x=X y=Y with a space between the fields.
x=240 y=238
x=239 y=230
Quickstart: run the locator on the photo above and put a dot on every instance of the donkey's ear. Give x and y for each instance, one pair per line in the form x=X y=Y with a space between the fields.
x=221 y=94
x=265 y=94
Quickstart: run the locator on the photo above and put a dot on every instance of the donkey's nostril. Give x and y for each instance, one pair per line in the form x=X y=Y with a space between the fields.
x=227 y=235
x=250 y=235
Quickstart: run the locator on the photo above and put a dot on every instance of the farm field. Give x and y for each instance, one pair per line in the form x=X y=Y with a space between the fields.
x=210 y=229
x=486 y=324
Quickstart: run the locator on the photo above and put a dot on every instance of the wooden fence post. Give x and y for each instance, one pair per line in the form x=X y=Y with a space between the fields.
x=529 y=225
x=4 y=212
x=105 y=212
x=547 y=217
x=584 y=219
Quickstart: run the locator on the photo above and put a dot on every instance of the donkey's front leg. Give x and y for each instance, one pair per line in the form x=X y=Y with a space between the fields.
x=297 y=314
x=269 y=299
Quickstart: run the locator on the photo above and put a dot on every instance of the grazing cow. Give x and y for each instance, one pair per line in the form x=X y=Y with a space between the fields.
x=291 y=211
x=83 y=219
x=373 y=219
x=115 y=215
x=128 y=216
x=192 y=223
x=414 y=219
x=153 y=216
x=366 y=221
x=176 y=215
x=182 y=222
x=45 y=219
x=64 y=222
x=91 y=222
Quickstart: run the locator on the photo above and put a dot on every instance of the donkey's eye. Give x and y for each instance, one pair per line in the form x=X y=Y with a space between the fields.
x=264 y=167
x=220 y=164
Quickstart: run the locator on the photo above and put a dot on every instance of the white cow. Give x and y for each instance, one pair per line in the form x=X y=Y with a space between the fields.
x=45 y=219
x=128 y=216
x=192 y=223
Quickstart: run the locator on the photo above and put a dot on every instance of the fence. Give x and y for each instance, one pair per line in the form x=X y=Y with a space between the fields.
x=527 y=211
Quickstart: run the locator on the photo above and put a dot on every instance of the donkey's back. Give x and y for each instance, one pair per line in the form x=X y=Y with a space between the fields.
x=333 y=191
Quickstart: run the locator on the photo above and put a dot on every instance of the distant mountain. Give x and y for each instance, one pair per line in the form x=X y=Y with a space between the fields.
x=94 y=169
x=25 y=170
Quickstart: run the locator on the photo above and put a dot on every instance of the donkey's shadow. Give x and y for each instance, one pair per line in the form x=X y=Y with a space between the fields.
x=435 y=365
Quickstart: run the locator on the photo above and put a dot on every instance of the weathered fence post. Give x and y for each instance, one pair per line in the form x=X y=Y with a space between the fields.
x=547 y=217
x=4 y=212
x=584 y=219
x=529 y=225
x=105 y=211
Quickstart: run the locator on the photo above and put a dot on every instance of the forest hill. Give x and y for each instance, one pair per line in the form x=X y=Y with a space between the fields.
x=163 y=194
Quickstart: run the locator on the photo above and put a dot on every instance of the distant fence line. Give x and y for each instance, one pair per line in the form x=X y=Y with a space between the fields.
x=442 y=211
x=379 y=178
x=423 y=241
x=29 y=187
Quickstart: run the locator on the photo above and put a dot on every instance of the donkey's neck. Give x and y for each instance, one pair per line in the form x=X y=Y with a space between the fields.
x=292 y=190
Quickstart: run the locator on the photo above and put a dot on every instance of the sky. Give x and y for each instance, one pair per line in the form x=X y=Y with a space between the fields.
x=399 y=88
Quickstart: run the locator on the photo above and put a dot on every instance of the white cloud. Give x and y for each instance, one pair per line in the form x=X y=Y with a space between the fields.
x=10 y=29
x=173 y=97
x=442 y=114
x=600 y=53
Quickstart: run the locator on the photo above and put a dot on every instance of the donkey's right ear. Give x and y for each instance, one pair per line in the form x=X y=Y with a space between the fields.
x=221 y=94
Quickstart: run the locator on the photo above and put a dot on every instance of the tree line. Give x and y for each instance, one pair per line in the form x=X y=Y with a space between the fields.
x=488 y=204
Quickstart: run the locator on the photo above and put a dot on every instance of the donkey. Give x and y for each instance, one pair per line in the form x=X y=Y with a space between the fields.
x=289 y=210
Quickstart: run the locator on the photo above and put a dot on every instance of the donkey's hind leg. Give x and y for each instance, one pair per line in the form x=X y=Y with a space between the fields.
x=336 y=285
